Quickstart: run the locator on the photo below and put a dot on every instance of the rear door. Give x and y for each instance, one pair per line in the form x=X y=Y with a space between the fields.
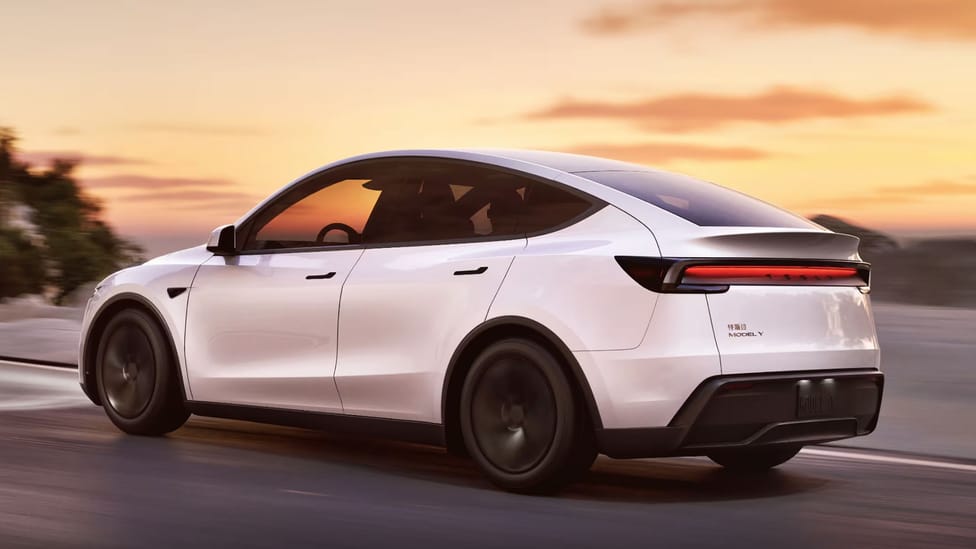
x=438 y=247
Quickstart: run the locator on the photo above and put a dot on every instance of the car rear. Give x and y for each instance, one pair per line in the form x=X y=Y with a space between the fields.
x=789 y=309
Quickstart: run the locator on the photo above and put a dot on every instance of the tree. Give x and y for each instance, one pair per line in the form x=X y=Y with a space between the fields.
x=75 y=246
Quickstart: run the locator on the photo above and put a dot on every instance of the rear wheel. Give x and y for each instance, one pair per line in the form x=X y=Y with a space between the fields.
x=754 y=460
x=520 y=420
x=136 y=376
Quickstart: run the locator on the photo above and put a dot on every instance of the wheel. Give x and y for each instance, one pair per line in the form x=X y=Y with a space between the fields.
x=520 y=420
x=754 y=460
x=136 y=376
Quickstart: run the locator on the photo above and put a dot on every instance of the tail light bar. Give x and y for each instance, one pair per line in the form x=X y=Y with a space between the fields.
x=670 y=275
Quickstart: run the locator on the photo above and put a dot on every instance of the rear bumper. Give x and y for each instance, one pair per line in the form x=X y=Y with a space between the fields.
x=759 y=409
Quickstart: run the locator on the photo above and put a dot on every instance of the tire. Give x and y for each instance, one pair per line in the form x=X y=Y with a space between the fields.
x=136 y=376
x=754 y=460
x=520 y=420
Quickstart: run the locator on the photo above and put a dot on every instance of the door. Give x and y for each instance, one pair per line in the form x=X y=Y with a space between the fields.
x=262 y=325
x=436 y=254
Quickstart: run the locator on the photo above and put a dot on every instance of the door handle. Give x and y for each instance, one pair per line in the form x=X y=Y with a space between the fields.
x=477 y=271
x=320 y=276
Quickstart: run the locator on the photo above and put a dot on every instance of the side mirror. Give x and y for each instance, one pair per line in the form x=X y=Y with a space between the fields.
x=223 y=240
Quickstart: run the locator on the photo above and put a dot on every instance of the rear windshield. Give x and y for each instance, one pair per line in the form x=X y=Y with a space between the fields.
x=702 y=203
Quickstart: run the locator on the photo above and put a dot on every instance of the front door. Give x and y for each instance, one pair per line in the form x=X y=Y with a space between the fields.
x=261 y=325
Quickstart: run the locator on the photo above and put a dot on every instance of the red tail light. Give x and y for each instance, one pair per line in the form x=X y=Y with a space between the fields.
x=770 y=274
x=703 y=275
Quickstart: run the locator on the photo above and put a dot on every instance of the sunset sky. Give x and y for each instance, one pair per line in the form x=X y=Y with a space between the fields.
x=185 y=114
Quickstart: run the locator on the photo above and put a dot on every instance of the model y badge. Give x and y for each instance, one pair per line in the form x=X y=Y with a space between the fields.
x=741 y=330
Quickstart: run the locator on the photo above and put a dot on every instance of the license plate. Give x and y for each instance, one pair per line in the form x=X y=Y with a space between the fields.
x=815 y=398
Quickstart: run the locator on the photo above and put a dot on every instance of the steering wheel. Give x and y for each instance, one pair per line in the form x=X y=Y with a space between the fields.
x=353 y=235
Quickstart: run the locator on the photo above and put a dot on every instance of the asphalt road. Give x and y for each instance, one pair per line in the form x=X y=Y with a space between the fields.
x=69 y=479
x=927 y=356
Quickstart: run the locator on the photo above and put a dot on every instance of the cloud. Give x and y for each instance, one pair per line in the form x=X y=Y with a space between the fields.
x=698 y=111
x=46 y=158
x=856 y=201
x=193 y=199
x=662 y=153
x=200 y=129
x=186 y=195
x=939 y=19
x=182 y=193
x=131 y=181
x=940 y=188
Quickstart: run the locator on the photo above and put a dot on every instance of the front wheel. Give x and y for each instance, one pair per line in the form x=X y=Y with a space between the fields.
x=754 y=460
x=520 y=420
x=136 y=376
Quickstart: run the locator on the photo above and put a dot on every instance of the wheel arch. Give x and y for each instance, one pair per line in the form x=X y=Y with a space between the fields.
x=116 y=303
x=484 y=335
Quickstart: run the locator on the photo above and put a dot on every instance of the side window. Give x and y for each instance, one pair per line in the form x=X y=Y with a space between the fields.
x=391 y=202
x=335 y=212
x=435 y=201
x=547 y=207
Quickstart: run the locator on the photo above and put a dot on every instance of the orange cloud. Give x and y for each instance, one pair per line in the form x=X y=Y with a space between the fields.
x=953 y=19
x=200 y=129
x=182 y=193
x=47 y=158
x=941 y=187
x=193 y=199
x=662 y=153
x=899 y=195
x=131 y=181
x=697 y=111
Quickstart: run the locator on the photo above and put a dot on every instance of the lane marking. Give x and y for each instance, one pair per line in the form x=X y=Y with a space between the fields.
x=73 y=370
x=304 y=493
x=858 y=456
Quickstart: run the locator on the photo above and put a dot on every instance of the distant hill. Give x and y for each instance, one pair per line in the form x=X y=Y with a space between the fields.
x=933 y=271
x=871 y=241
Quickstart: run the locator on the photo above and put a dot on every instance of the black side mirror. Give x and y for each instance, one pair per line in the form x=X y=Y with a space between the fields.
x=223 y=240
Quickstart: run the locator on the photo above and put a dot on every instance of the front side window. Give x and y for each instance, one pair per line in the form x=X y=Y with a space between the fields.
x=334 y=214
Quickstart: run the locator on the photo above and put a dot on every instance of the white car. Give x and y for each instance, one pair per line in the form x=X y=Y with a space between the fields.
x=530 y=309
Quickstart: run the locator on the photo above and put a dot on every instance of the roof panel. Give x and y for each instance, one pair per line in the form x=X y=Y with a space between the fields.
x=565 y=162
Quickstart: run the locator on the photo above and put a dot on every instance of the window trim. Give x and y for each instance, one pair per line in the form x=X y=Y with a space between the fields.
x=246 y=226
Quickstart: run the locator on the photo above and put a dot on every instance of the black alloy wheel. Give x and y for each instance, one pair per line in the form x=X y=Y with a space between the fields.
x=521 y=421
x=136 y=376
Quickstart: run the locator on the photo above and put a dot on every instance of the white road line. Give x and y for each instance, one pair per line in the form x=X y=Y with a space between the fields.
x=73 y=372
x=858 y=456
x=304 y=493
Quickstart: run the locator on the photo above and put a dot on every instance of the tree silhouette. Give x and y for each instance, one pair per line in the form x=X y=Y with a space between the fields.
x=73 y=245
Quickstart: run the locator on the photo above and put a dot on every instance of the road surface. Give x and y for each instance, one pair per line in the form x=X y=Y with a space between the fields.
x=69 y=479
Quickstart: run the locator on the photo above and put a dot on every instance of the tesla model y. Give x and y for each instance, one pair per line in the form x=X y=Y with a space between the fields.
x=528 y=309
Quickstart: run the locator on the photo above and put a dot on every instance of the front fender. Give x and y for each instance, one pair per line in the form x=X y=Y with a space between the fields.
x=161 y=286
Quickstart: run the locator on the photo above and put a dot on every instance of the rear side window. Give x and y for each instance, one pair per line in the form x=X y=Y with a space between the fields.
x=443 y=201
x=704 y=204
x=548 y=207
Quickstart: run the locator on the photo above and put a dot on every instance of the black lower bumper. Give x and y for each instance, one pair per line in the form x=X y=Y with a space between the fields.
x=757 y=410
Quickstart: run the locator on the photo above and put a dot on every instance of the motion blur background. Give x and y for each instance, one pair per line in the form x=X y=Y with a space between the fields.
x=131 y=129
